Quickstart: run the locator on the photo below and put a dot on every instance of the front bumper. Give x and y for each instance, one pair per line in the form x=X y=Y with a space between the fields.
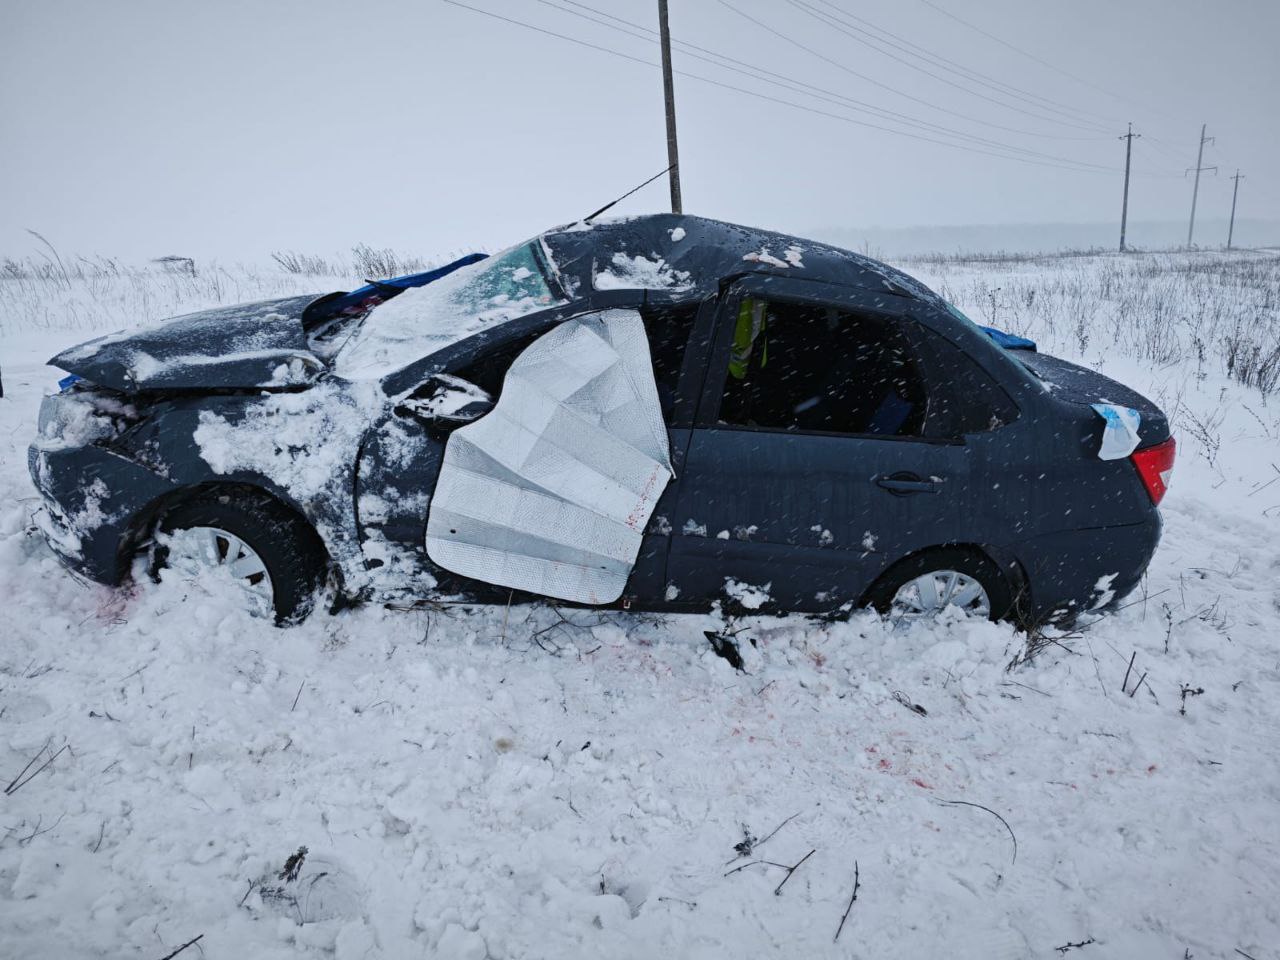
x=92 y=500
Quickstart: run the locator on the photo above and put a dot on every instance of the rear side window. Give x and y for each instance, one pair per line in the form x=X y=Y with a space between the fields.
x=964 y=399
x=817 y=369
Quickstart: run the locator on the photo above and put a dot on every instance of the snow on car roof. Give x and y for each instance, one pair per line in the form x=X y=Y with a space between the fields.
x=678 y=255
x=692 y=255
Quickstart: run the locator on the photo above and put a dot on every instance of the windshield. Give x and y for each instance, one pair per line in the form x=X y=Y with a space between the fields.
x=425 y=319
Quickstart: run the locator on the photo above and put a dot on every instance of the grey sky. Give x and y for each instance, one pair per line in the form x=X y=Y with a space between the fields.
x=232 y=128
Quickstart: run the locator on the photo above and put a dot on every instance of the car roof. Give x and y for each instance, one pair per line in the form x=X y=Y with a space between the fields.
x=692 y=256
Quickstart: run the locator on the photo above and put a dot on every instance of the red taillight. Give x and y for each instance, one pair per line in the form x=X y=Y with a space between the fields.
x=1155 y=467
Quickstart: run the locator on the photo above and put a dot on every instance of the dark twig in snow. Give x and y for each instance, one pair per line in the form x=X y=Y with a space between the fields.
x=1124 y=684
x=506 y=614
x=1138 y=685
x=101 y=830
x=10 y=788
x=750 y=843
x=688 y=903
x=1143 y=599
x=170 y=956
x=777 y=891
x=1243 y=954
x=1026 y=687
x=1072 y=946
x=752 y=863
x=36 y=831
x=906 y=702
x=1188 y=691
x=777 y=828
x=1097 y=668
x=252 y=884
x=293 y=865
x=15 y=785
x=297 y=696
x=851 y=900
x=966 y=803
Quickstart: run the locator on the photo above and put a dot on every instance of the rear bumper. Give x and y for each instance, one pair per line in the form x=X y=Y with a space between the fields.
x=1075 y=571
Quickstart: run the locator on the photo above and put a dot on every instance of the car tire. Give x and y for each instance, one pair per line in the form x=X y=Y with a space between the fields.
x=287 y=546
x=969 y=563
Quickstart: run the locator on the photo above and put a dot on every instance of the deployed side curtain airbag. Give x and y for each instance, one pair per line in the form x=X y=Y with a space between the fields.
x=551 y=491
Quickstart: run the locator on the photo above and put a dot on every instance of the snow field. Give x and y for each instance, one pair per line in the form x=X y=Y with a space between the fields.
x=489 y=783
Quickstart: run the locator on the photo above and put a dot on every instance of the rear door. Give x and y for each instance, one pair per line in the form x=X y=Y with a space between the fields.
x=819 y=452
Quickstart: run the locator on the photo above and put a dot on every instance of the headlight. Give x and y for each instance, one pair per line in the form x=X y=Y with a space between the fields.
x=81 y=416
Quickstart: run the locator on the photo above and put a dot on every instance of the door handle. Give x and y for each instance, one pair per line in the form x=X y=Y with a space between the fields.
x=903 y=484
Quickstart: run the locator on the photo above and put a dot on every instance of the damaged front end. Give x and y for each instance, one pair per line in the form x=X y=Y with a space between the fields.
x=79 y=464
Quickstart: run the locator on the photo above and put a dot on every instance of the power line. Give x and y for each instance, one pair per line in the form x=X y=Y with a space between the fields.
x=820 y=93
x=1063 y=164
x=800 y=86
x=1031 y=56
x=986 y=80
x=841 y=28
x=861 y=76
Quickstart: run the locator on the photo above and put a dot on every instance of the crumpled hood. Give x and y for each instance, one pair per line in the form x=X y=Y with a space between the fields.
x=252 y=345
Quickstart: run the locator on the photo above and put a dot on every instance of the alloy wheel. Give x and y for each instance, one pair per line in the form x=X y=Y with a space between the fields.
x=927 y=595
x=195 y=552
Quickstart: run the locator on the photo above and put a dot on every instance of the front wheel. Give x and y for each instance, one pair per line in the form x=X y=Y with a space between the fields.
x=269 y=552
x=923 y=586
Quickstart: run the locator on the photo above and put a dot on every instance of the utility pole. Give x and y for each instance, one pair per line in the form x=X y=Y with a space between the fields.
x=1196 y=189
x=669 y=94
x=1234 y=192
x=1124 y=207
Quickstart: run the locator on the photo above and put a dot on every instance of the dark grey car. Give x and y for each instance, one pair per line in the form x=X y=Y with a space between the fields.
x=839 y=435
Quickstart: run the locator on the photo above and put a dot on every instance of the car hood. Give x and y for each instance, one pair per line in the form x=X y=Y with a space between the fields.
x=252 y=345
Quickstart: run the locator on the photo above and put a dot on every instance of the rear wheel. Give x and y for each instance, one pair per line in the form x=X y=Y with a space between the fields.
x=268 y=551
x=923 y=586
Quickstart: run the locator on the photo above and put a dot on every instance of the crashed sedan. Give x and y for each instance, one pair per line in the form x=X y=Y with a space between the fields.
x=658 y=412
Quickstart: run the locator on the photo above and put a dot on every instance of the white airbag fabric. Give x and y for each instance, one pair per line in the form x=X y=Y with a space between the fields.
x=551 y=491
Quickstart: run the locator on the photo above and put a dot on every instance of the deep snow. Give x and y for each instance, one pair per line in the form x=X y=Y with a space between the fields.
x=485 y=782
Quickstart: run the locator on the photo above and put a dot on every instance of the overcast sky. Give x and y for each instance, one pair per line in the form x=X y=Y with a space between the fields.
x=232 y=128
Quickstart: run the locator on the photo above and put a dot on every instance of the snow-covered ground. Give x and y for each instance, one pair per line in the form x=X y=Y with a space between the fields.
x=472 y=782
